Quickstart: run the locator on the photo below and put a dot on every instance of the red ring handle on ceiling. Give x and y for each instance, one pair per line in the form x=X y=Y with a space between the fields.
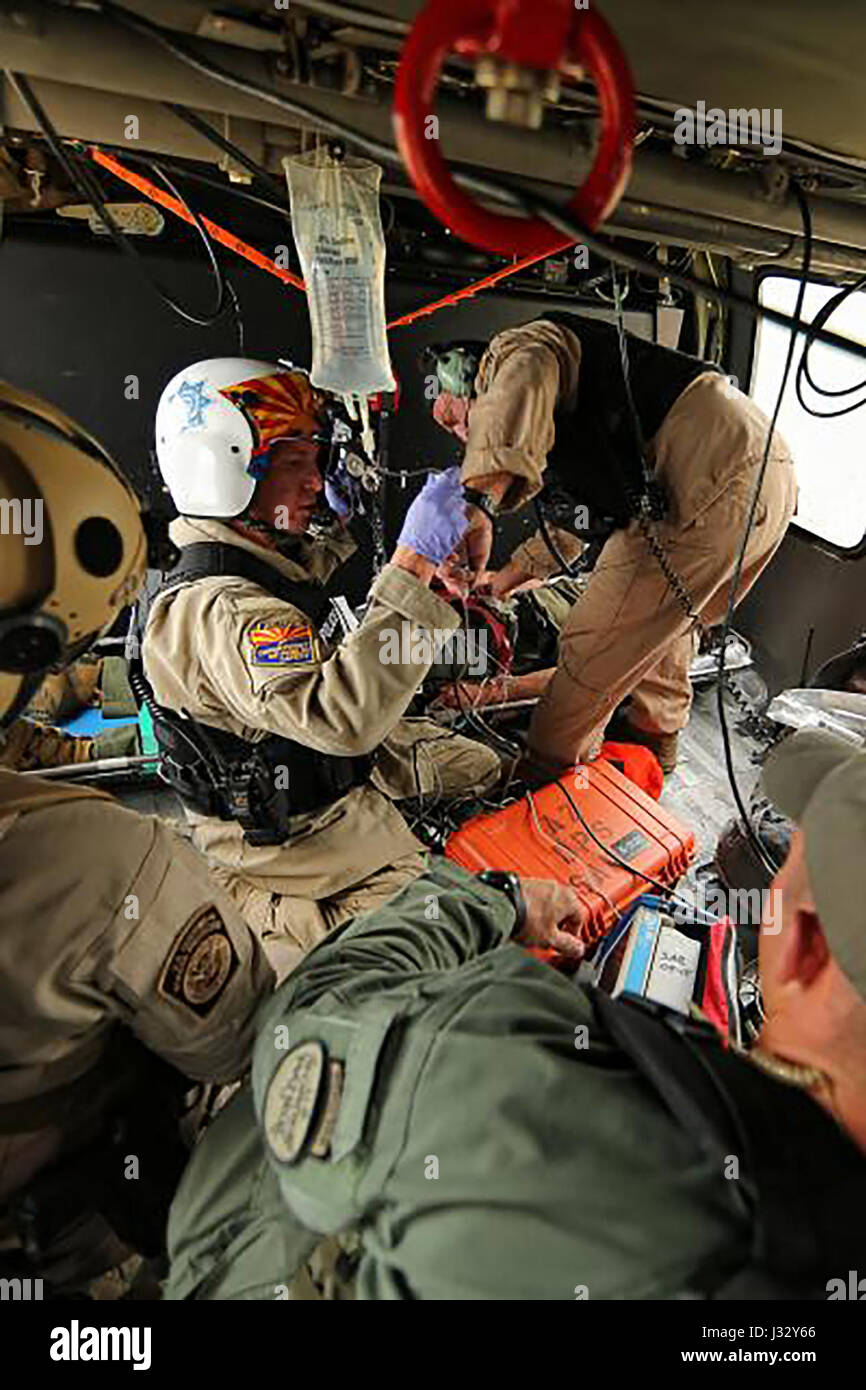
x=477 y=27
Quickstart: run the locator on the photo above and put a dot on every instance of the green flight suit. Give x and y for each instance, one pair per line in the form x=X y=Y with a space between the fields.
x=489 y=1142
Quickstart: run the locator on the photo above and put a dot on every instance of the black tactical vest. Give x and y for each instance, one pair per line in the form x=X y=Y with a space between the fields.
x=596 y=455
x=261 y=785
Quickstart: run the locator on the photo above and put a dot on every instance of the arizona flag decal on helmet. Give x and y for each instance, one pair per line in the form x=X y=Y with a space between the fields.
x=281 y=406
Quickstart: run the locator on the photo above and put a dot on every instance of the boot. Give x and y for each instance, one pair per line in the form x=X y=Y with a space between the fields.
x=536 y=771
x=663 y=745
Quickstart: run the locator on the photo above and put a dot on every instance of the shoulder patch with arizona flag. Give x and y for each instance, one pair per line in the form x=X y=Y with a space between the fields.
x=283 y=644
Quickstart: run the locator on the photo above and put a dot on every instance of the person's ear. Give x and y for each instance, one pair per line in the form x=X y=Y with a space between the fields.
x=804 y=952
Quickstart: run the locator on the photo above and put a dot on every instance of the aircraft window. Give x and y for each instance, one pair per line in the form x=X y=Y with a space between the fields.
x=829 y=454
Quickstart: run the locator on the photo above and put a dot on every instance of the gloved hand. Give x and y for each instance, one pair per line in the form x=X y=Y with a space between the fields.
x=342 y=492
x=436 y=520
x=337 y=500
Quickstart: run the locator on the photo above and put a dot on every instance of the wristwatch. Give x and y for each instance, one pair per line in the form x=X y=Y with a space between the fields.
x=510 y=885
x=482 y=501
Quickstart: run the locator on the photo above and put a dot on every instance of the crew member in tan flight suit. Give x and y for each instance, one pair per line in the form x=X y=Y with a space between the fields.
x=233 y=642
x=107 y=918
x=547 y=401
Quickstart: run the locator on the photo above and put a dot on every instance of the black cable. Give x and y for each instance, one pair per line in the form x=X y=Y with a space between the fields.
x=238 y=316
x=565 y=565
x=196 y=123
x=803 y=366
x=83 y=179
x=353 y=14
x=649 y=502
x=77 y=170
x=167 y=40
x=520 y=200
x=724 y=298
x=232 y=189
x=483 y=730
x=664 y=888
x=25 y=93
x=203 y=320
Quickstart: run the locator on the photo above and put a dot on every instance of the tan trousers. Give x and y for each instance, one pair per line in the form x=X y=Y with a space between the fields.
x=420 y=759
x=628 y=635
x=289 y=927
x=417 y=757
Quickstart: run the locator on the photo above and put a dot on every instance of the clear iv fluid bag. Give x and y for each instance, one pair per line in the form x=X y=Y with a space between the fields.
x=338 y=232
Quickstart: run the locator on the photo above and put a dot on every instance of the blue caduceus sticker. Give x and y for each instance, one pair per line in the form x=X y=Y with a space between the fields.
x=196 y=399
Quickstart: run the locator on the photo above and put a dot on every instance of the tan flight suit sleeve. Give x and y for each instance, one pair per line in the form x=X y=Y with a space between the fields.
x=525 y=374
x=345 y=703
x=535 y=559
x=118 y=918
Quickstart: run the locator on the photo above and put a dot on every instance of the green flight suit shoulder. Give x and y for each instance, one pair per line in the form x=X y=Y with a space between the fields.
x=471 y=1116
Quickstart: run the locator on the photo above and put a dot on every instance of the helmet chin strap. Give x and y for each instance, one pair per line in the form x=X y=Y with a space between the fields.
x=273 y=537
x=255 y=523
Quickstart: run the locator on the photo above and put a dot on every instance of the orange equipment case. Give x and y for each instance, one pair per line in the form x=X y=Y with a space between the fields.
x=552 y=842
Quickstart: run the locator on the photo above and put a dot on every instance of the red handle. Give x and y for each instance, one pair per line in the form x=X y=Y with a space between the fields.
x=470 y=25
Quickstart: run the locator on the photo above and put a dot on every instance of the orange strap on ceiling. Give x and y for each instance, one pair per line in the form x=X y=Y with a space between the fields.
x=469 y=290
x=165 y=200
x=249 y=253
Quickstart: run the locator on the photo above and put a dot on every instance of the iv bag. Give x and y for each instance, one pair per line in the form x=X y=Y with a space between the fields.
x=341 y=245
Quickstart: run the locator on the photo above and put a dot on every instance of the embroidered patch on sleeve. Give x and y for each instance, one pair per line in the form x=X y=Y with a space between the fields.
x=282 y=644
x=201 y=963
x=291 y=1100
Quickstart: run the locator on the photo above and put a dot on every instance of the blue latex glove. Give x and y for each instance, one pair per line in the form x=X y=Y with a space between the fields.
x=343 y=492
x=337 y=500
x=436 y=520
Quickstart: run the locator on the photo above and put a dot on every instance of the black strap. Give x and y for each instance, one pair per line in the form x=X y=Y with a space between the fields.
x=804 y=1177
x=207 y=559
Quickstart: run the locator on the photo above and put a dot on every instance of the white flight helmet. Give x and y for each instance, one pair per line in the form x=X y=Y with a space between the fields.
x=216 y=422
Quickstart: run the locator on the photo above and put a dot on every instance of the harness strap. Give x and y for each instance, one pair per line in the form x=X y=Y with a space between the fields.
x=208 y=559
